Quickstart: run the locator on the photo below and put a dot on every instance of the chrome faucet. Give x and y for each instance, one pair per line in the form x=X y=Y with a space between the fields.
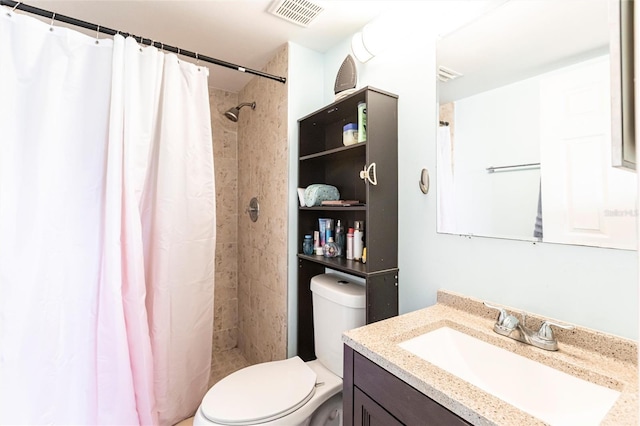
x=508 y=325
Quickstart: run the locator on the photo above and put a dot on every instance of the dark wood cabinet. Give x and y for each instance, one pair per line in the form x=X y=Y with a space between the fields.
x=367 y=412
x=323 y=158
x=372 y=396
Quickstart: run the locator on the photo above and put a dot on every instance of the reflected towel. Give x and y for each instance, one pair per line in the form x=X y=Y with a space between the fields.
x=537 y=229
x=446 y=212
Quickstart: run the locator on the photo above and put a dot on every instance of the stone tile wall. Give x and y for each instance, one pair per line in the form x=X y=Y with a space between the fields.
x=262 y=249
x=225 y=152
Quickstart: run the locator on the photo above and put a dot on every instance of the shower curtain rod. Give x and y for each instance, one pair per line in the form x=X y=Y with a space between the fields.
x=104 y=30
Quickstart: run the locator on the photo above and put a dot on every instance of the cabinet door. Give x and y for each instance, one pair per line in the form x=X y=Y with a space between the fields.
x=404 y=402
x=381 y=227
x=367 y=412
x=585 y=200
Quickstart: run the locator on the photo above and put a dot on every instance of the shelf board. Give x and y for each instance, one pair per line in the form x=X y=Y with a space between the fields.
x=358 y=145
x=336 y=208
x=339 y=263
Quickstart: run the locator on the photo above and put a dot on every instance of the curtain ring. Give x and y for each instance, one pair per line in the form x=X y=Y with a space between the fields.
x=97 y=34
x=53 y=18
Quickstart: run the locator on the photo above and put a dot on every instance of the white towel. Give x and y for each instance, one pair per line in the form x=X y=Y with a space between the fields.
x=446 y=216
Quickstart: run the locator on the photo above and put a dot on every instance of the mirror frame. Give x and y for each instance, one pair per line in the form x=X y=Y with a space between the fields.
x=621 y=48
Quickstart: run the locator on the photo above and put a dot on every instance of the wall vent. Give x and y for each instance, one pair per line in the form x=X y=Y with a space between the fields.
x=300 y=12
x=446 y=74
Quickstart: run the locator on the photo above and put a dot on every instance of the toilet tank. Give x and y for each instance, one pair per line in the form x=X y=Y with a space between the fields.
x=338 y=306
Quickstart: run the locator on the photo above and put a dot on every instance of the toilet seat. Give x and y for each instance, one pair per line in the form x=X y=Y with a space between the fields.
x=260 y=393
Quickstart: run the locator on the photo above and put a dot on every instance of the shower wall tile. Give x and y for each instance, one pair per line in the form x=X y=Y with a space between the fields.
x=225 y=155
x=262 y=246
x=224 y=340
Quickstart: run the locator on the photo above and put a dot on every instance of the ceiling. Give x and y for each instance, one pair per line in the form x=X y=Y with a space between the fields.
x=540 y=42
x=238 y=31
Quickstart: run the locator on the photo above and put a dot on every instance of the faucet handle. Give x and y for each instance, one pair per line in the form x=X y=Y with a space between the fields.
x=546 y=332
x=501 y=316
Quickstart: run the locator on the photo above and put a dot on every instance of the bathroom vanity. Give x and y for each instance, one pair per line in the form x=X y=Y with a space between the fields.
x=375 y=396
x=385 y=382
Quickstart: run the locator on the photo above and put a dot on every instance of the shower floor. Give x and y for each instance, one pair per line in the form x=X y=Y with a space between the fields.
x=223 y=364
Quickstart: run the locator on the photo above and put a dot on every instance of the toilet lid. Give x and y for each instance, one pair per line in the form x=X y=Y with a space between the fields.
x=260 y=393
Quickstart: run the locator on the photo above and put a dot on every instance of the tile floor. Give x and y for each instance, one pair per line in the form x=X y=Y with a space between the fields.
x=223 y=364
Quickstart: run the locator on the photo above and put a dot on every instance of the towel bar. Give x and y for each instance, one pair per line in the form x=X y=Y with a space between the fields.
x=515 y=166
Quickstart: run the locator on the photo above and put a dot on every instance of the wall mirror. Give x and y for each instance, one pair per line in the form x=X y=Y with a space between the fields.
x=530 y=102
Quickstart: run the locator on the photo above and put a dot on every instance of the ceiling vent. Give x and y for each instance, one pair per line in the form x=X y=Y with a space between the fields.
x=300 y=12
x=446 y=74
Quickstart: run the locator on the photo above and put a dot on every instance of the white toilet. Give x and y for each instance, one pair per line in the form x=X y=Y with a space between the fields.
x=292 y=392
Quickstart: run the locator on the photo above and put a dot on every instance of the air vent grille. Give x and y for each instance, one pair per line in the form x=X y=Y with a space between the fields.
x=446 y=74
x=300 y=12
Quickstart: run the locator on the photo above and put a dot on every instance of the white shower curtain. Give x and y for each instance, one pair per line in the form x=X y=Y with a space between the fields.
x=178 y=210
x=104 y=236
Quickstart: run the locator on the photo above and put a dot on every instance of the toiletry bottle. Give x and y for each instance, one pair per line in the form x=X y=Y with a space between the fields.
x=317 y=248
x=358 y=239
x=330 y=248
x=307 y=245
x=350 y=244
x=329 y=236
x=322 y=227
x=362 y=121
x=340 y=238
x=329 y=231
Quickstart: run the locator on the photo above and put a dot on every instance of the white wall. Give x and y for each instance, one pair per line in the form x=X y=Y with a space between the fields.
x=499 y=127
x=591 y=287
x=305 y=79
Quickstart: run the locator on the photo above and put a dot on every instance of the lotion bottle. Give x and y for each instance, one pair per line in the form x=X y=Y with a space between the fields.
x=358 y=240
x=350 y=244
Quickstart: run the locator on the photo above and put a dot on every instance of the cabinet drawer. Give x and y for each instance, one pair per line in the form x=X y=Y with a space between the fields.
x=408 y=405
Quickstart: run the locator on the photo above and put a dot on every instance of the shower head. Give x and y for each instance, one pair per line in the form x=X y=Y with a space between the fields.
x=233 y=113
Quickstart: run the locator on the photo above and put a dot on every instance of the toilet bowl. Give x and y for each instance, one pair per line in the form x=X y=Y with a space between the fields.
x=283 y=401
x=293 y=392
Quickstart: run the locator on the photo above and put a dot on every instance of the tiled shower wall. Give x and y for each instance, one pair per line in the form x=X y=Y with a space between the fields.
x=262 y=249
x=225 y=153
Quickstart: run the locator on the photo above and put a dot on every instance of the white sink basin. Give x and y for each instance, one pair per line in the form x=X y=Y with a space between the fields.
x=548 y=394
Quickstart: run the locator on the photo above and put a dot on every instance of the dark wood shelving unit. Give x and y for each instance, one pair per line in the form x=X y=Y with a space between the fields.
x=324 y=159
x=329 y=209
x=342 y=149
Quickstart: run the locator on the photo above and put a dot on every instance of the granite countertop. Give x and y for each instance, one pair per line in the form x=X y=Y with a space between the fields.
x=600 y=358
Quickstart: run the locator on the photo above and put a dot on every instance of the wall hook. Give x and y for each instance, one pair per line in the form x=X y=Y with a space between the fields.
x=424 y=181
